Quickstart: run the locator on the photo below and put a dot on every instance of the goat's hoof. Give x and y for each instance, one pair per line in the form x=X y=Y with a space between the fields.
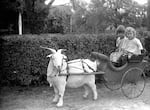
x=59 y=104
x=95 y=98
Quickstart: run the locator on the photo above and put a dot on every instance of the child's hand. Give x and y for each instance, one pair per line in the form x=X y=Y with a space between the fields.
x=125 y=52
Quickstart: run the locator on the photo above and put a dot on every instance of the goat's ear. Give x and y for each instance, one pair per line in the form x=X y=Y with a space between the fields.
x=49 y=56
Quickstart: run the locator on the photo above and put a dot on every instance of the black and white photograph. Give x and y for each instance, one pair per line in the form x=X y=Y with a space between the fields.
x=74 y=54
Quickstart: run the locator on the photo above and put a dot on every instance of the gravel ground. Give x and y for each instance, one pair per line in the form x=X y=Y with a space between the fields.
x=40 y=98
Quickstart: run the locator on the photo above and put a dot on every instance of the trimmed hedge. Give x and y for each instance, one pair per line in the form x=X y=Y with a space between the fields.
x=23 y=62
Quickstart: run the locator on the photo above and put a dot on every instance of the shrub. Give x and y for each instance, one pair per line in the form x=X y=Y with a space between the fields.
x=23 y=62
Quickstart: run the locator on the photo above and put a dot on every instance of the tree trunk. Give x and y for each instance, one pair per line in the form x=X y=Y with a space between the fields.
x=71 y=30
x=20 y=23
x=148 y=16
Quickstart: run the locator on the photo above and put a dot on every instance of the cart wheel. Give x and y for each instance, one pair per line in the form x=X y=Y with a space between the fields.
x=133 y=83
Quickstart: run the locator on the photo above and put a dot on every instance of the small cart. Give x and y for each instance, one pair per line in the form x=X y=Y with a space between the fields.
x=130 y=77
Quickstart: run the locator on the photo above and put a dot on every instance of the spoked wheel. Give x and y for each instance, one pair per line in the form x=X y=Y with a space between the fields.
x=133 y=83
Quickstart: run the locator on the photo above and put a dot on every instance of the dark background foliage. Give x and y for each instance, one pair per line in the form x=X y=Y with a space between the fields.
x=23 y=62
x=100 y=15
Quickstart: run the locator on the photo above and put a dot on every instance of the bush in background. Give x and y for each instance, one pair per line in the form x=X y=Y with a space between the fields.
x=25 y=63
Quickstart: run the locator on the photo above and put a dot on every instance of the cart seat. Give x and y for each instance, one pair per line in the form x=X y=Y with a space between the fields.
x=136 y=58
x=133 y=59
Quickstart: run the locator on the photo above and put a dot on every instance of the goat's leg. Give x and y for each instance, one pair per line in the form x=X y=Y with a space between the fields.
x=56 y=95
x=61 y=89
x=94 y=90
x=49 y=80
x=86 y=92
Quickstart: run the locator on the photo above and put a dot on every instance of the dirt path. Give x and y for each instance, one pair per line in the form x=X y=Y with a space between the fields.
x=39 y=98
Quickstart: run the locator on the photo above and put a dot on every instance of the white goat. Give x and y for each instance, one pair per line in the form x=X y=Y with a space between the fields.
x=61 y=74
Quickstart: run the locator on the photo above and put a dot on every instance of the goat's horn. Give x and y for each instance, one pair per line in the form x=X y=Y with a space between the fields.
x=61 y=50
x=52 y=50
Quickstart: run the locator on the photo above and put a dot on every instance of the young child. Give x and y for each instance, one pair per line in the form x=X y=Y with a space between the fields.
x=120 y=44
x=133 y=45
x=129 y=45
x=120 y=32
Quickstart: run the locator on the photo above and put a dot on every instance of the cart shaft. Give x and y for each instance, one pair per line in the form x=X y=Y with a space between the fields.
x=84 y=73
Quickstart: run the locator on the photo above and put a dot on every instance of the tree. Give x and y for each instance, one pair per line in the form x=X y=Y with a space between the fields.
x=35 y=13
x=79 y=16
x=18 y=6
x=20 y=11
x=148 y=15
x=27 y=10
x=58 y=19
x=126 y=12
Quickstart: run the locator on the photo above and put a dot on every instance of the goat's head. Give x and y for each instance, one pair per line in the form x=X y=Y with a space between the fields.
x=57 y=58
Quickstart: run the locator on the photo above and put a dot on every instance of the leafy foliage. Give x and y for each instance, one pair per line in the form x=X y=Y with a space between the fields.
x=79 y=17
x=25 y=63
x=100 y=14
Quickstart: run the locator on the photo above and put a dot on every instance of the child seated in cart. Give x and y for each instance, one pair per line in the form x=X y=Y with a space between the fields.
x=120 y=43
x=120 y=32
x=132 y=46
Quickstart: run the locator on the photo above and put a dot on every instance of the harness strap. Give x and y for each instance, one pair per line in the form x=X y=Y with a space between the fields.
x=90 y=67
x=68 y=74
x=83 y=66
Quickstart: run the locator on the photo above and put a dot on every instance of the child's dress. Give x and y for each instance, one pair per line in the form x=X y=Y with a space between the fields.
x=121 y=44
x=127 y=47
x=133 y=47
